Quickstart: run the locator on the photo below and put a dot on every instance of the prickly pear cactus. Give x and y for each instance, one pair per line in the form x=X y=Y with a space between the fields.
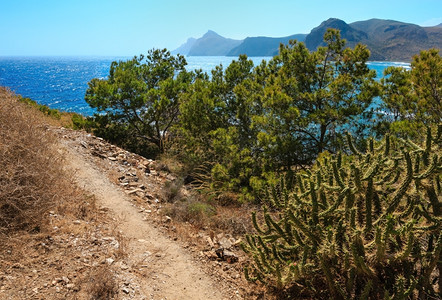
x=360 y=225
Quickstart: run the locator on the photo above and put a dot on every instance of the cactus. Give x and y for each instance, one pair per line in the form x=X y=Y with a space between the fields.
x=357 y=225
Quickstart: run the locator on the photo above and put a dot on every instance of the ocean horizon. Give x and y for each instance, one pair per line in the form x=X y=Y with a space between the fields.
x=60 y=82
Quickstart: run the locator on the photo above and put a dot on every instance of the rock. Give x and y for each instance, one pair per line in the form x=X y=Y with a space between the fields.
x=115 y=244
x=230 y=257
x=237 y=242
x=225 y=243
x=109 y=261
x=134 y=191
x=210 y=255
x=140 y=195
x=210 y=242
x=170 y=177
x=99 y=154
x=125 y=290
x=227 y=256
x=167 y=219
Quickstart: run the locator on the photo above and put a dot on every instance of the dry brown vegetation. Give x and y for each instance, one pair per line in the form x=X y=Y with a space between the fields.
x=47 y=223
x=31 y=174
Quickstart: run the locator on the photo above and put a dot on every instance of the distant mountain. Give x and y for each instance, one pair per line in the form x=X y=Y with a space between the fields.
x=387 y=40
x=185 y=48
x=212 y=44
x=263 y=46
x=316 y=37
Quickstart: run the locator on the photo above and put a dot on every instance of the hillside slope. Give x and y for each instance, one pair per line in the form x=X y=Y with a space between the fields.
x=212 y=44
x=263 y=46
x=184 y=48
x=315 y=38
x=388 y=40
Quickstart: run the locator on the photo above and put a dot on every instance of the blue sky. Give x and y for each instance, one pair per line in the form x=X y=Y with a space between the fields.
x=131 y=27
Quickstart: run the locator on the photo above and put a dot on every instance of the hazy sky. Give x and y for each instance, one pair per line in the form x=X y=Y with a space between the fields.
x=131 y=27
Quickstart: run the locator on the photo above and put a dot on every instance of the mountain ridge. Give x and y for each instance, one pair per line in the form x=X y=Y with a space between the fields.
x=212 y=44
x=387 y=40
x=263 y=46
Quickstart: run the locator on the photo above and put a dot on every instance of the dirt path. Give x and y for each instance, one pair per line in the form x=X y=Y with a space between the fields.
x=165 y=269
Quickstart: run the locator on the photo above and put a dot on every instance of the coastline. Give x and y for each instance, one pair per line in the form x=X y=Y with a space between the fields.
x=60 y=82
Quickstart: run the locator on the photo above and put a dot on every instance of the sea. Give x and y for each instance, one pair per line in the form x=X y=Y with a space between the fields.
x=61 y=82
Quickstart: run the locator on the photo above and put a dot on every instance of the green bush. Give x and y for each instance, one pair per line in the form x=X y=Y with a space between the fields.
x=193 y=210
x=53 y=113
x=356 y=226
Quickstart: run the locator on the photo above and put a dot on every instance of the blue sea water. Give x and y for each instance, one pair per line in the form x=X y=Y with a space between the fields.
x=61 y=82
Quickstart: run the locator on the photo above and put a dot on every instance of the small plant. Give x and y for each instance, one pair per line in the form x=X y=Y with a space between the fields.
x=53 y=113
x=359 y=226
x=172 y=189
x=80 y=122
x=102 y=285
x=192 y=210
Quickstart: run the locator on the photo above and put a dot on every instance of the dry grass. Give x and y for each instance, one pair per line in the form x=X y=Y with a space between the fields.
x=102 y=284
x=46 y=222
x=31 y=177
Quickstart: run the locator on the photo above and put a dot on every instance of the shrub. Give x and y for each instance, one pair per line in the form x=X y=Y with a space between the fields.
x=53 y=113
x=102 y=285
x=358 y=226
x=192 y=210
x=31 y=175
x=172 y=189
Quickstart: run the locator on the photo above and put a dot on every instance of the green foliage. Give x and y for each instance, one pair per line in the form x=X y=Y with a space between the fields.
x=252 y=123
x=413 y=97
x=215 y=126
x=122 y=134
x=190 y=209
x=363 y=225
x=309 y=96
x=79 y=122
x=140 y=97
x=53 y=113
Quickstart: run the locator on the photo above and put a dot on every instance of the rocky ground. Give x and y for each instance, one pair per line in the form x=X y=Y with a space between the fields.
x=126 y=244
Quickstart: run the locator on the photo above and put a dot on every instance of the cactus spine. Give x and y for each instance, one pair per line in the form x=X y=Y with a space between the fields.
x=365 y=225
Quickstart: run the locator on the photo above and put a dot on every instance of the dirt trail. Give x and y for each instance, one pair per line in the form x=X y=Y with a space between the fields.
x=167 y=270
